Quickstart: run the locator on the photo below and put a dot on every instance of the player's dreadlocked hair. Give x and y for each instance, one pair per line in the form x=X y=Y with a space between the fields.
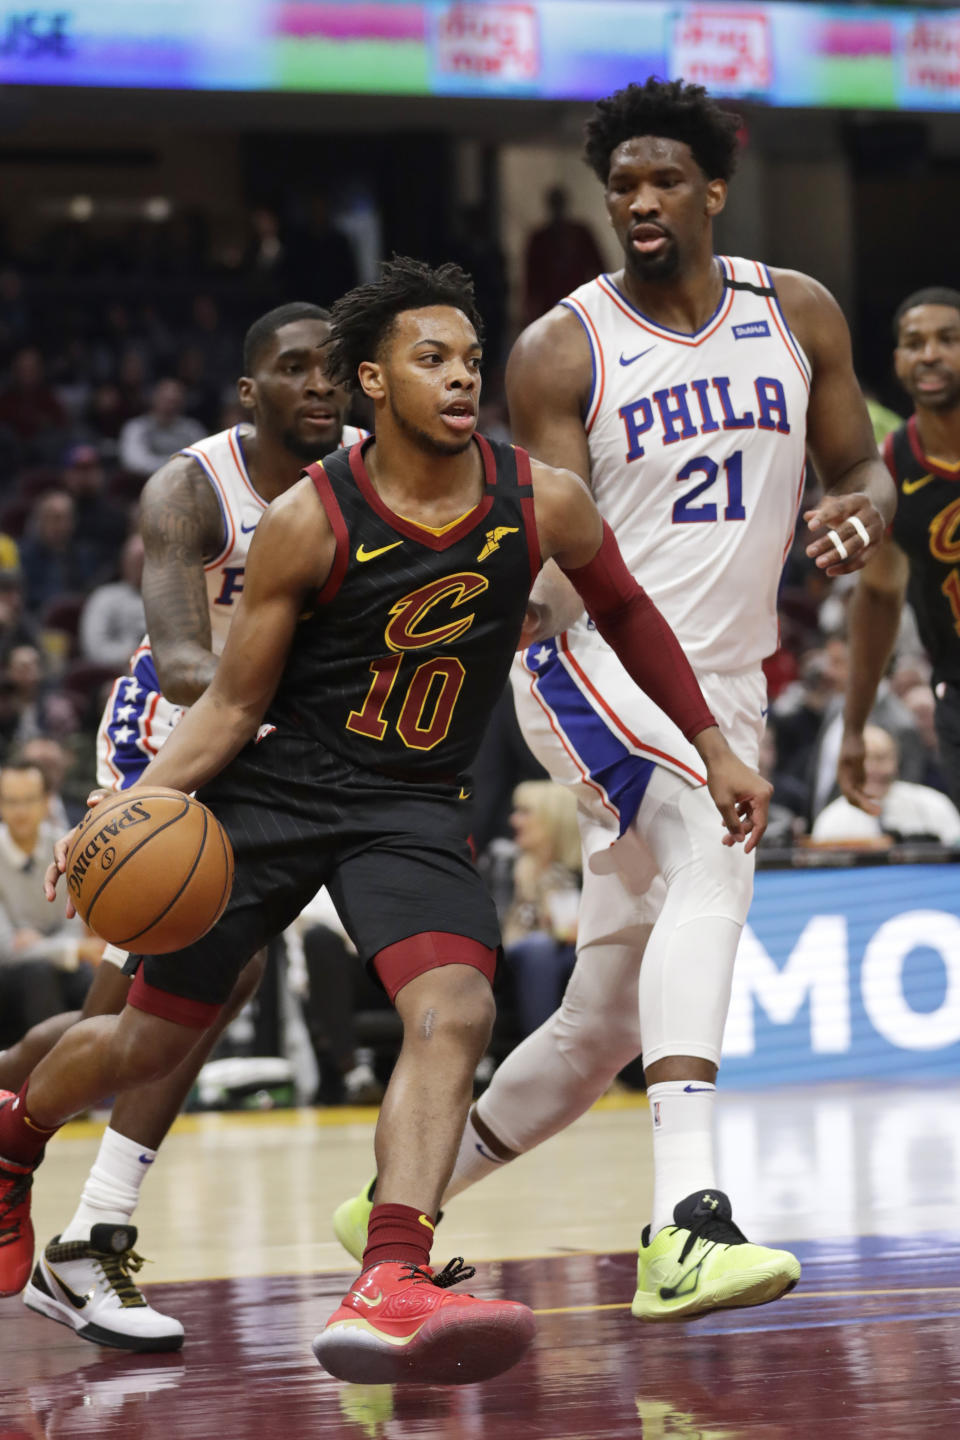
x=669 y=108
x=363 y=318
x=932 y=295
x=263 y=330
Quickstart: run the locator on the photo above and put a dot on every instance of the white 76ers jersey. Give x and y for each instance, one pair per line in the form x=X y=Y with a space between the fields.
x=137 y=718
x=697 y=447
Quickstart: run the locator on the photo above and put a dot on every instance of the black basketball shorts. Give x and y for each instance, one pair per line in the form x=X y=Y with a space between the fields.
x=393 y=853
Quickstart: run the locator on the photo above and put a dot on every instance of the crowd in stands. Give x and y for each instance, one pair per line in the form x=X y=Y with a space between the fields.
x=111 y=359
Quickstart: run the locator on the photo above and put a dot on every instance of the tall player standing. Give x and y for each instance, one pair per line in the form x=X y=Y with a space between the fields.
x=684 y=389
x=920 y=555
x=199 y=513
x=384 y=599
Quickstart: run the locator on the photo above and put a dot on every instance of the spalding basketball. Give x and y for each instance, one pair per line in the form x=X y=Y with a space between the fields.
x=150 y=870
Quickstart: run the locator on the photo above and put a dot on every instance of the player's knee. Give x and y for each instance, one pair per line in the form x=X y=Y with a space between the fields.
x=146 y=1048
x=452 y=1004
x=597 y=1042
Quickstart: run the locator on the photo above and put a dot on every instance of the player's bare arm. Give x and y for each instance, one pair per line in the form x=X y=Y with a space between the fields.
x=859 y=497
x=289 y=559
x=549 y=374
x=872 y=623
x=182 y=528
x=572 y=533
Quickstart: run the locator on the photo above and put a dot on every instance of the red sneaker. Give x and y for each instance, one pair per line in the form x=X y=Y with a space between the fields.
x=16 y=1229
x=398 y=1322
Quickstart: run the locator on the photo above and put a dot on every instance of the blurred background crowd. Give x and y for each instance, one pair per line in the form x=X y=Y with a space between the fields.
x=120 y=338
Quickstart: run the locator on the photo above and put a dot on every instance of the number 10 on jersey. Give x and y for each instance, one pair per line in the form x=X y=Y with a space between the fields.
x=428 y=704
x=685 y=512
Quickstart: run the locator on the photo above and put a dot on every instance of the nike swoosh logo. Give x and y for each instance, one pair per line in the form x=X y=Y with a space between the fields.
x=372 y=1300
x=364 y=554
x=249 y=529
x=909 y=486
x=424 y=1221
x=624 y=361
x=149 y=1159
x=697 y=1089
x=79 y=1302
x=464 y=794
x=487 y=1155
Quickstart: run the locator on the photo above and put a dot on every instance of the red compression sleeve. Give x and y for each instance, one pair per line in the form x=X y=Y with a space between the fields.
x=647 y=648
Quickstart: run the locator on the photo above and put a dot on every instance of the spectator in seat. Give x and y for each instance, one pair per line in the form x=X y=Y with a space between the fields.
x=901 y=810
x=16 y=628
x=54 y=563
x=28 y=404
x=45 y=960
x=149 y=440
x=540 y=927
x=101 y=526
x=112 y=622
x=560 y=255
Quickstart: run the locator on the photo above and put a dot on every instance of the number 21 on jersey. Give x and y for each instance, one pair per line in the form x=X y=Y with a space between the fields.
x=686 y=512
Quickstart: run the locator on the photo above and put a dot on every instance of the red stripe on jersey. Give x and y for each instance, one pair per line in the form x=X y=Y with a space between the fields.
x=775 y=315
x=341 y=559
x=524 y=477
x=634 y=740
x=662 y=333
x=410 y=528
x=585 y=775
x=583 y=314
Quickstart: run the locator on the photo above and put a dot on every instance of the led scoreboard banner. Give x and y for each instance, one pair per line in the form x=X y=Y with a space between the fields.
x=776 y=54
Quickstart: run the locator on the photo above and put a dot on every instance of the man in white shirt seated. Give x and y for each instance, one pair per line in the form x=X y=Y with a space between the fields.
x=45 y=959
x=904 y=811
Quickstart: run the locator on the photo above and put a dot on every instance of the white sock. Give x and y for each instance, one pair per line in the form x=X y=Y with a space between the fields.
x=112 y=1190
x=682 y=1115
x=474 y=1161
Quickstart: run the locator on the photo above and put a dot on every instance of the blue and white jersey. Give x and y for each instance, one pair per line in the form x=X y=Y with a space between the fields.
x=138 y=718
x=697 y=450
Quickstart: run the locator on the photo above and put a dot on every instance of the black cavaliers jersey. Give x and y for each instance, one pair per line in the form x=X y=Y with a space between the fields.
x=927 y=528
x=410 y=640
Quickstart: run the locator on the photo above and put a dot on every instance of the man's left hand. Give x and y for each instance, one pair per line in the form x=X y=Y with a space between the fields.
x=858 y=542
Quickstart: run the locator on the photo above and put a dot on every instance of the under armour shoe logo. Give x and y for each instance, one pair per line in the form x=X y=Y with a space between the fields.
x=711 y=1201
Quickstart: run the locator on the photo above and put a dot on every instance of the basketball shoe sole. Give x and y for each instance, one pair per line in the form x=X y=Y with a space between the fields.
x=87 y=1285
x=397 y=1325
x=710 y=1275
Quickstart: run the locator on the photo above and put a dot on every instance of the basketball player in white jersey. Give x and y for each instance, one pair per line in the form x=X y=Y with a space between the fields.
x=198 y=515
x=684 y=389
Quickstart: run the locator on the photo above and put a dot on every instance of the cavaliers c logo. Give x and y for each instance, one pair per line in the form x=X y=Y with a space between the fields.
x=944 y=528
x=403 y=632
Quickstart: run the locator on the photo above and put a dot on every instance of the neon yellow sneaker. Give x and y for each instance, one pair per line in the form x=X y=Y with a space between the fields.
x=350 y=1221
x=368 y=1406
x=703 y=1262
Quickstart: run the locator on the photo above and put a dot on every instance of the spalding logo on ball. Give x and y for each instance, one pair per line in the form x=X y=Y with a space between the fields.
x=150 y=870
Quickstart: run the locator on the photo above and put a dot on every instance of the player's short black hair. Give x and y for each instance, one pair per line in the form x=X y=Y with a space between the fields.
x=672 y=109
x=361 y=320
x=932 y=295
x=262 y=331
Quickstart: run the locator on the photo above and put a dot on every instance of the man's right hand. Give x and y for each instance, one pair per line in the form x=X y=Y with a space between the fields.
x=60 y=850
x=851 y=775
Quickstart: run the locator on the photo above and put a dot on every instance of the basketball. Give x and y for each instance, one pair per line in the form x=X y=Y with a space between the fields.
x=150 y=870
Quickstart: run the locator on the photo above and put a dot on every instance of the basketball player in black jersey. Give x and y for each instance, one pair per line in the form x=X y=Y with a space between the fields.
x=297 y=415
x=384 y=598
x=920 y=557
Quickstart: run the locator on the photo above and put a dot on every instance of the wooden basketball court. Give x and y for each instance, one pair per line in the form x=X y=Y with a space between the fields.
x=864 y=1183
